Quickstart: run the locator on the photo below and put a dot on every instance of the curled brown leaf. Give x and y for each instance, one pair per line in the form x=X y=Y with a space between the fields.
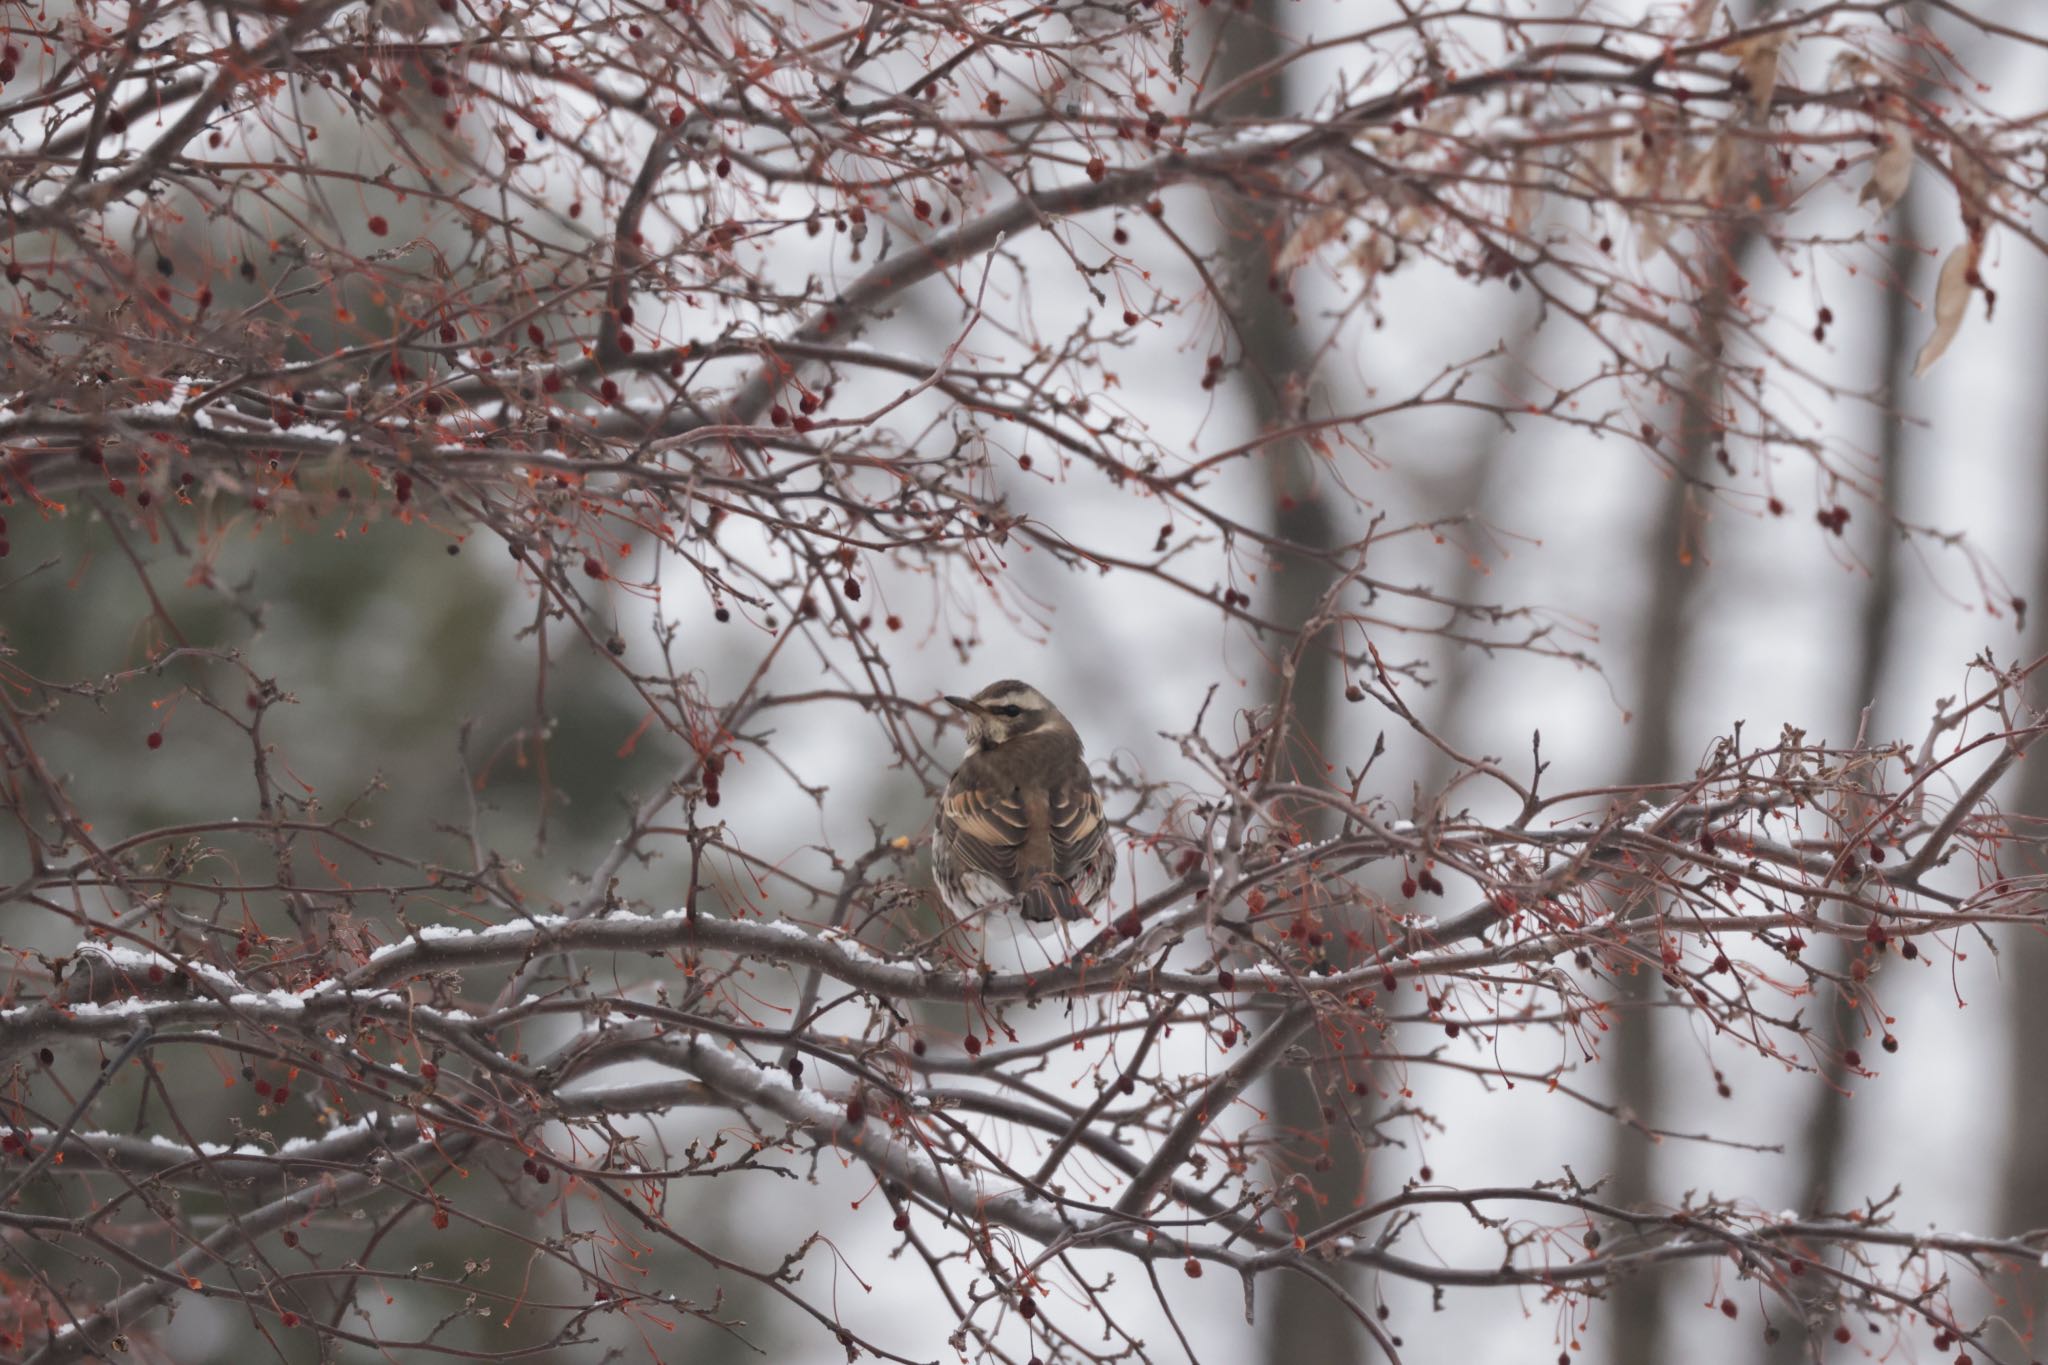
x=1892 y=170
x=1951 y=300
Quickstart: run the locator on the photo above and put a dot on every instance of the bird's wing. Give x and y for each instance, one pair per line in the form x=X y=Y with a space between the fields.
x=1078 y=829
x=987 y=827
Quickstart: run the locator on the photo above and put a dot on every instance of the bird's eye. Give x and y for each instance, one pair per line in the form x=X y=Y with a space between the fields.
x=1011 y=710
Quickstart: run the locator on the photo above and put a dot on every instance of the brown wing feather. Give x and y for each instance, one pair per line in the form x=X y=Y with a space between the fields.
x=1031 y=821
x=987 y=828
x=1077 y=825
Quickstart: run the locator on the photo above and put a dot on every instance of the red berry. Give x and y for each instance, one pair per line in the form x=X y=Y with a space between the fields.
x=378 y=227
x=155 y=740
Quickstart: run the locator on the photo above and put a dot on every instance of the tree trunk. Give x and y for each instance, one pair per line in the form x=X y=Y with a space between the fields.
x=2024 y=964
x=1825 y=1138
x=1299 y=1320
x=1663 y=664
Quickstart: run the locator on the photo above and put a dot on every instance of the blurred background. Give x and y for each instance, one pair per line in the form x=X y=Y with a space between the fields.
x=1670 y=619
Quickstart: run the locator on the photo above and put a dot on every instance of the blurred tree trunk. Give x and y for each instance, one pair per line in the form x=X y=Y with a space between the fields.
x=2024 y=963
x=1299 y=1321
x=1823 y=1143
x=1666 y=640
x=1465 y=493
x=1663 y=664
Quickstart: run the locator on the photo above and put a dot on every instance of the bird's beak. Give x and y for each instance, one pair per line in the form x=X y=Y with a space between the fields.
x=969 y=706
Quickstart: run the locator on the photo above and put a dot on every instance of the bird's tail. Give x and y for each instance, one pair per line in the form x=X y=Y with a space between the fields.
x=1049 y=898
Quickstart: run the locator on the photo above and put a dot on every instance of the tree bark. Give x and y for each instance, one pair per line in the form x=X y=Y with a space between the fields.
x=1663 y=664
x=1299 y=1321
x=2024 y=1205
x=1824 y=1138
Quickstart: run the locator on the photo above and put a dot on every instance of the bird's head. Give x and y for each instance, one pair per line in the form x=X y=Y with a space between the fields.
x=1004 y=710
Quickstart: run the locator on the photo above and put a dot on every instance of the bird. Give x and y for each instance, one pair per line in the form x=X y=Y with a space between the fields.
x=1021 y=822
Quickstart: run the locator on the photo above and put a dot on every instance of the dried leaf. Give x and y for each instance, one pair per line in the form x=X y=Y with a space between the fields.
x=1656 y=154
x=1377 y=254
x=1380 y=252
x=1852 y=68
x=1643 y=156
x=1522 y=200
x=1983 y=180
x=1892 y=171
x=1653 y=231
x=1699 y=18
x=1951 y=301
x=1596 y=162
x=1340 y=192
x=1974 y=185
x=1709 y=181
x=1758 y=59
x=1315 y=230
